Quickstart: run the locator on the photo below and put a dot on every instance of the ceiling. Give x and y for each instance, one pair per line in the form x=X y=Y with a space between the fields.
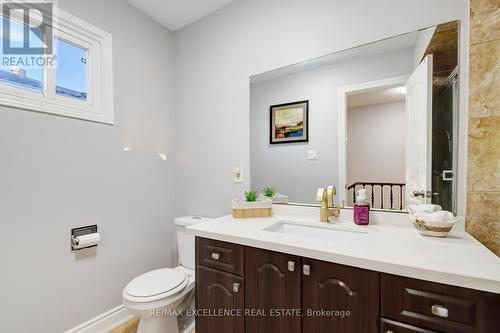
x=175 y=14
x=374 y=97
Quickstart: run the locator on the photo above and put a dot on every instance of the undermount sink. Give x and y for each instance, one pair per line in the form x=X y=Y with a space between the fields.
x=328 y=232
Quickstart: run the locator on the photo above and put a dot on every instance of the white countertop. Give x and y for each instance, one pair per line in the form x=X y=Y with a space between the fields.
x=392 y=247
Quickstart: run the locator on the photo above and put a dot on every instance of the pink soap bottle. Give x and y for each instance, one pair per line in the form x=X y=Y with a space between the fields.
x=362 y=208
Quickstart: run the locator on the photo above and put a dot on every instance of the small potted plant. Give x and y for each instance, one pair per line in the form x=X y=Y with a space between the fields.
x=269 y=192
x=275 y=197
x=250 y=196
x=251 y=205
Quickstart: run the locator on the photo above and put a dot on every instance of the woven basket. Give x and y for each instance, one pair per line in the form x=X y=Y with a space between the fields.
x=243 y=209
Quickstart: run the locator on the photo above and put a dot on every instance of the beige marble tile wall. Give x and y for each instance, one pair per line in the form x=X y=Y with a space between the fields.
x=483 y=174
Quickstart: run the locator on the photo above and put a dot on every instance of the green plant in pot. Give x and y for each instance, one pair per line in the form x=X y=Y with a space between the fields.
x=251 y=195
x=269 y=192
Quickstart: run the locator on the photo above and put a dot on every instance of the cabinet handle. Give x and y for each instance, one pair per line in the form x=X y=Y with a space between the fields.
x=439 y=310
x=236 y=287
x=215 y=256
x=306 y=269
x=291 y=266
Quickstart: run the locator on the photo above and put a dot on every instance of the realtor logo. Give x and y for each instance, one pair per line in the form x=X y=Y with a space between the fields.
x=27 y=28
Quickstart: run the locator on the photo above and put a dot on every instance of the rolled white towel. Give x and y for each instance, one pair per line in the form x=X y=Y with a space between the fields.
x=441 y=216
x=436 y=218
x=424 y=208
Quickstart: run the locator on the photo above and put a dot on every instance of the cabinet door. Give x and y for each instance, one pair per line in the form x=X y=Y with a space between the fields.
x=339 y=299
x=219 y=301
x=272 y=292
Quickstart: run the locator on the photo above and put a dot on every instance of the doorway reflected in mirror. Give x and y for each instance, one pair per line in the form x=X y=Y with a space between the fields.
x=375 y=152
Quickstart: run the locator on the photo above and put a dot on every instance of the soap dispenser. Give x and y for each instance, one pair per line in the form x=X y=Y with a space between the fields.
x=362 y=208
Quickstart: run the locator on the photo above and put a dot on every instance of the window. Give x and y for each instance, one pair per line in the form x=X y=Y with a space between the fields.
x=71 y=74
x=29 y=78
x=74 y=80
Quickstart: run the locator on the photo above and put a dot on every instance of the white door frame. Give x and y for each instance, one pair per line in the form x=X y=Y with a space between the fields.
x=343 y=93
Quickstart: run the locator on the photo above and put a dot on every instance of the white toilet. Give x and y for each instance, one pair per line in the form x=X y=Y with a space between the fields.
x=157 y=296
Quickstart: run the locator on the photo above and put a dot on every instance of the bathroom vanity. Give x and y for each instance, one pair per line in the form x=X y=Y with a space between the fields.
x=334 y=118
x=258 y=276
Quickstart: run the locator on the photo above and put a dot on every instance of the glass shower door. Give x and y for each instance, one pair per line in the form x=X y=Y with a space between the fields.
x=444 y=149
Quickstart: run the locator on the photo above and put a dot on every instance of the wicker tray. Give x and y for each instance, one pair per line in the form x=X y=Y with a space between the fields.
x=243 y=209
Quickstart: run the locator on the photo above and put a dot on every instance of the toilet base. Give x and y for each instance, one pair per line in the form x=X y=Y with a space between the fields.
x=165 y=315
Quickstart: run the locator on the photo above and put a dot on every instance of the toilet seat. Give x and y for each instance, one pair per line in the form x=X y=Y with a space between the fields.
x=156 y=285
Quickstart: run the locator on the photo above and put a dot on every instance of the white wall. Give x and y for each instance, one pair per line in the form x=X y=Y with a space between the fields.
x=284 y=166
x=57 y=173
x=376 y=136
x=216 y=55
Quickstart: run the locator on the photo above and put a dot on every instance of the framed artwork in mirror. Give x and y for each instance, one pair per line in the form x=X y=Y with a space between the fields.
x=289 y=122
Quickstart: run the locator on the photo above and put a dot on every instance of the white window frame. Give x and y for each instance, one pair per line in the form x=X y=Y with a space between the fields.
x=98 y=106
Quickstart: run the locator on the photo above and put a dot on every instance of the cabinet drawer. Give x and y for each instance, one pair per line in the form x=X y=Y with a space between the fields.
x=390 y=326
x=437 y=306
x=223 y=256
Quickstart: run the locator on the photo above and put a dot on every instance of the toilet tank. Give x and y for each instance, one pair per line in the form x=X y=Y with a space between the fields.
x=185 y=241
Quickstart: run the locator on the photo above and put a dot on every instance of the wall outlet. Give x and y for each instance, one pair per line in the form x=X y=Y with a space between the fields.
x=238 y=173
x=312 y=155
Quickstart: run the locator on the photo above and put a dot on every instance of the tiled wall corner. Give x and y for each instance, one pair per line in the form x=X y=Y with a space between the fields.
x=484 y=79
x=483 y=155
x=483 y=171
x=484 y=21
x=482 y=218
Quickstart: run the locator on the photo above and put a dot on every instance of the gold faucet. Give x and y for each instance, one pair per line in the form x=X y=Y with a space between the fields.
x=328 y=208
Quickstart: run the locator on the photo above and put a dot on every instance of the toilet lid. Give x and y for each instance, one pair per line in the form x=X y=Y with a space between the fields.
x=155 y=282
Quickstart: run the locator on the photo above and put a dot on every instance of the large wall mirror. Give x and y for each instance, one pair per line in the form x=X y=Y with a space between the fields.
x=382 y=116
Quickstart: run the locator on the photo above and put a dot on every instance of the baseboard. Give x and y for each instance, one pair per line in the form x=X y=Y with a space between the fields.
x=104 y=322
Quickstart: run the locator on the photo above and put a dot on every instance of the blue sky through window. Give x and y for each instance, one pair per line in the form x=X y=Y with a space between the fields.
x=18 y=76
x=71 y=69
x=71 y=72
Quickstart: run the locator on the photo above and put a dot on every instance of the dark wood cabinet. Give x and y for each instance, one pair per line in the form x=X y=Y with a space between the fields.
x=339 y=298
x=391 y=326
x=220 y=301
x=272 y=292
x=243 y=289
x=223 y=256
x=439 y=307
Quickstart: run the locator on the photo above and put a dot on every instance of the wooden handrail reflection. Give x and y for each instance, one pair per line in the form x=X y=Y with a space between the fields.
x=382 y=185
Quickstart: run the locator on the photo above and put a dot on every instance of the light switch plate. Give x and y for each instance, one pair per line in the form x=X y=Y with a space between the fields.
x=238 y=173
x=312 y=155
